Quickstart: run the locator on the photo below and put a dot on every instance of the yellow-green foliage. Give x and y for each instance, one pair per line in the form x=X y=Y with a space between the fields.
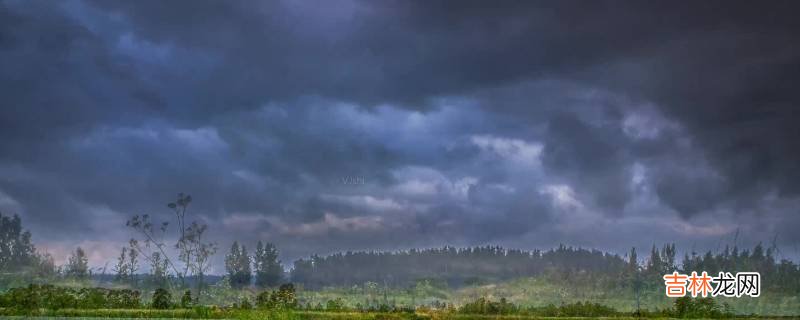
x=211 y=313
x=322 y=315
x=540 y=292
x=50 y=297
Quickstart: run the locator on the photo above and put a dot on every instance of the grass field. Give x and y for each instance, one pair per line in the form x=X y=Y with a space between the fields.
x=523 y=292
x=538 y=292
x=314 y=315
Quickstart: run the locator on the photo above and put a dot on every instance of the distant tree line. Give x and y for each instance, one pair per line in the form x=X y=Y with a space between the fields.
x=455 y=266
x=467 y=266
x=778 y=275
x=448 y=265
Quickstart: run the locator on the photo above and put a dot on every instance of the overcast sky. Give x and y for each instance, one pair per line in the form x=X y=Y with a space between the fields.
x=352 y=125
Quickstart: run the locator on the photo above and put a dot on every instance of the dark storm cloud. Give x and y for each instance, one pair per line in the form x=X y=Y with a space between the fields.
x=461 y=123
x=400 y=52
x=575 y=149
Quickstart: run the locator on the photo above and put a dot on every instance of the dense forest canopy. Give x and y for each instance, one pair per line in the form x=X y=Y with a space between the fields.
x=466 y=266
x=455 y=266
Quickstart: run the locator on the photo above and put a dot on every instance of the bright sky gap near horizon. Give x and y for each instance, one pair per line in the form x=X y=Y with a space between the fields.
x=382 y=125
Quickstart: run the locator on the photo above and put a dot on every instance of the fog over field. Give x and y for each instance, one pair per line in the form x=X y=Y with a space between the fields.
x=383 y=125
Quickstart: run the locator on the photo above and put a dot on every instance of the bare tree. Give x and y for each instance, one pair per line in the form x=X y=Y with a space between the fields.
x=153 y=241
x=193 y=251
x=179 y=207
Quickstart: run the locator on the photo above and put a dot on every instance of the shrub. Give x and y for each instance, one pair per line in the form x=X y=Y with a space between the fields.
x=263 y=300
x=245 y=305
x=283 y=298
x=286 y=296
x=485 y=306
x=687 y=307
x=54 y=298
x=24 y=299
x=162 y=299
x=502 y=307
x=186 y=299
x=123 y=299
x=335 y=305
x=92 y=298
x=587 y=309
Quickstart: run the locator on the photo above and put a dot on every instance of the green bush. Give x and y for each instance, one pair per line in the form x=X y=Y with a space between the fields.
x=687 y=307
x=578 y=309
x=485 y=306
x=123 y=299
x=162 y=299
x=335 y=305
x=245 y=305
x=55 y=298
x=503 y=307
x=283 y=298
x=186 y=299
x=198 y=312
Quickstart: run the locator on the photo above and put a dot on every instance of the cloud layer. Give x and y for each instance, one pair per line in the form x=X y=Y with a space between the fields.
x=382 y=125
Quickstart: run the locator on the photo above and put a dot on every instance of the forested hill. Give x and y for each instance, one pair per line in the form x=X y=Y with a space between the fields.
x=21 y=263
x=455 y=266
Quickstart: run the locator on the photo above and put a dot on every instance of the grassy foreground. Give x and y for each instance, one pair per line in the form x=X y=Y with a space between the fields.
x=540 y=292
x=289 y=315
